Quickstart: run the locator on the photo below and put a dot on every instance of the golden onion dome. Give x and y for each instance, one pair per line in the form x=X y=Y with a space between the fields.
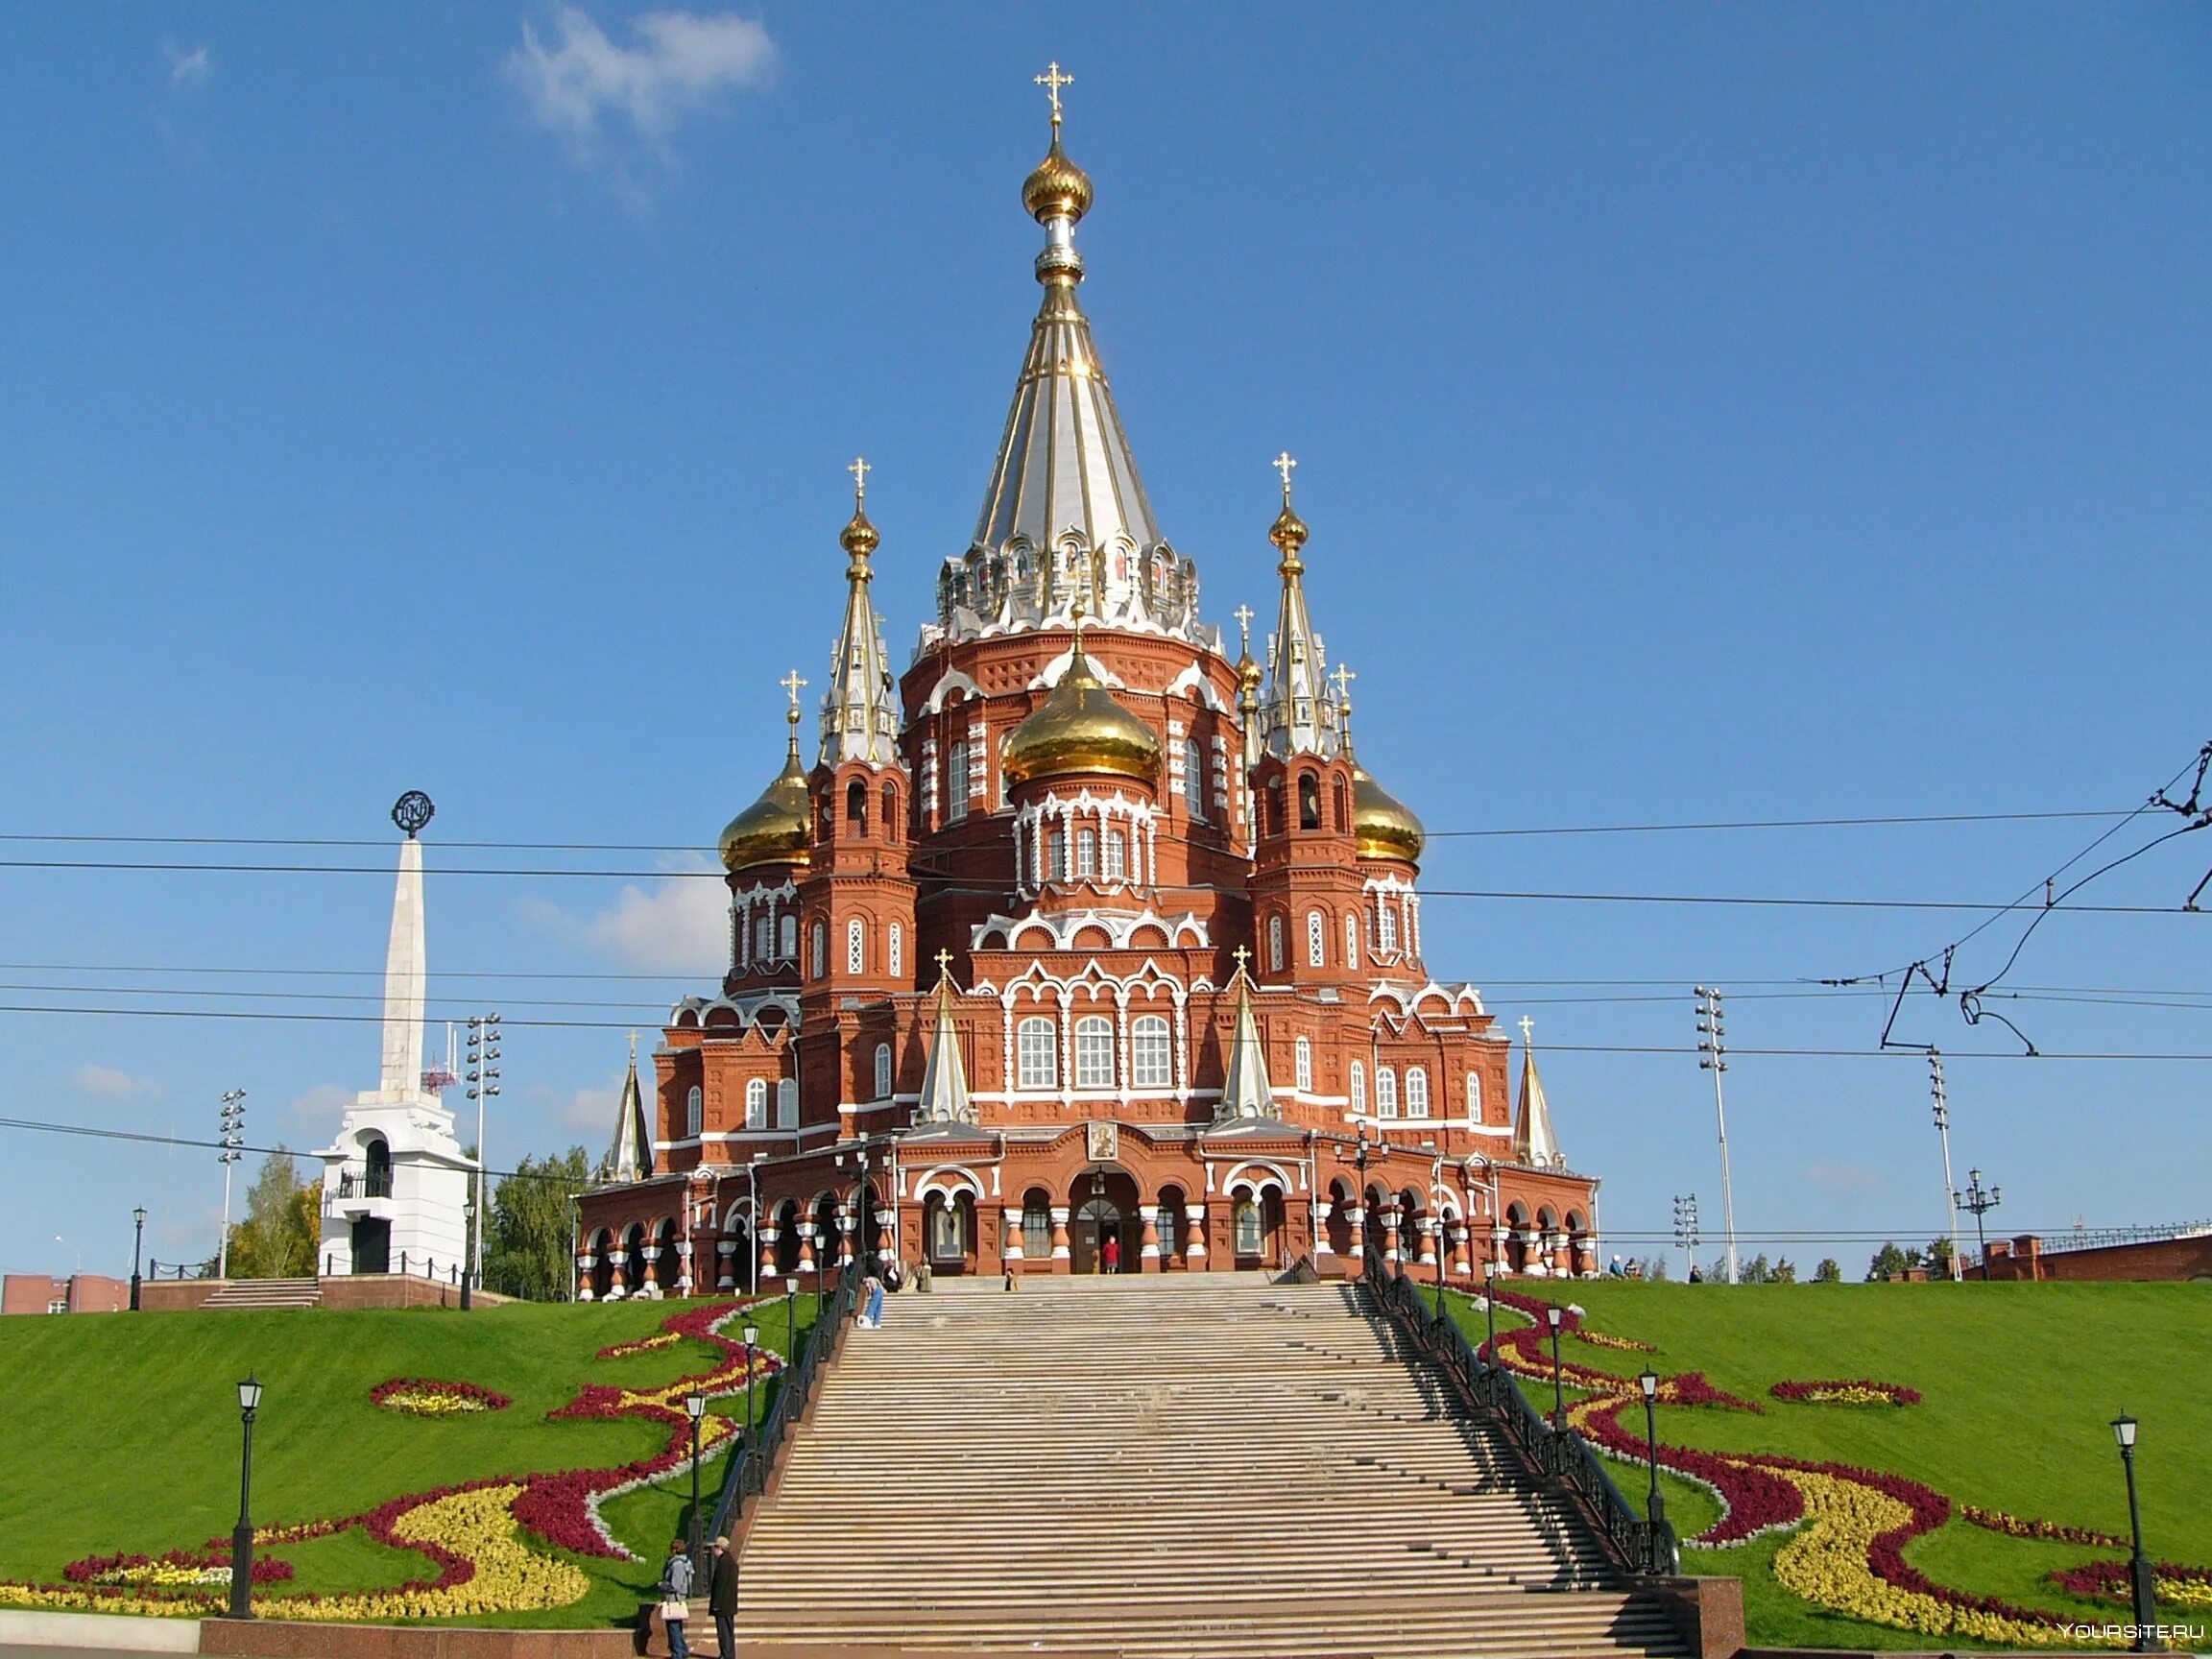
x=1382 y=826
x=1081 y=729
x=859 y=538
x=1057 y=188
x=775 y=829
x=1289 y=534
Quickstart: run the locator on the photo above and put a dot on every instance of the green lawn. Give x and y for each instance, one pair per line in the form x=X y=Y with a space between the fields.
x=2019 y=1384
x=125 y=1430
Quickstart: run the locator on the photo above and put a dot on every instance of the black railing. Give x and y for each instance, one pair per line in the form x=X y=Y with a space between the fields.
x=181 y=1270
x=754 y=1462
x=365 y=1182
x=1546 y=1449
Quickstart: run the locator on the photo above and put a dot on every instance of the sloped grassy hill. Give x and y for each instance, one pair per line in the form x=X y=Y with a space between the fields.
x=2019 y=1384
x=123 y=1430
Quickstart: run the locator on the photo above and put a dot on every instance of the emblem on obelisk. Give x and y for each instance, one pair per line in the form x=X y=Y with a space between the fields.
x=412 y=811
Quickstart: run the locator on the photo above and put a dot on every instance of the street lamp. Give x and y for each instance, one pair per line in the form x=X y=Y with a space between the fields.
x=752 y=1364
x=1490 y=1309
x=695 y=1408
x=1654 y=1507
x=1554 y=1316
x=483 y=1078
x=2138 y=1564
x=242 y=1537
x=232 y=1143
x=1436 y=1204
x=137 y=1246
x=1981 y=1202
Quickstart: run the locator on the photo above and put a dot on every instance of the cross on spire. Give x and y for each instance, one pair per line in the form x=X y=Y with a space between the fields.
x=1244 y=615
x=1527 y=1031
x=1052 y=79
x=791 y=682
x=860 y=470
x=1342 y=679
x=1284 y=465
x=944 y=962
x=1243 y=956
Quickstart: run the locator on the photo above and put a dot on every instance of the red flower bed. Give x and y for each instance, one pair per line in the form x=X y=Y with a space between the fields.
x=91 y=1569
x=2017 y=1527
x=1851 y=1391
x=2109 y=1580
x=420 y=1397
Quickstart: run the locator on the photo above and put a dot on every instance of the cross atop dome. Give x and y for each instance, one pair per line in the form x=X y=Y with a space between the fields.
x=793 y=683
x=860 y=470
x=1052 y=79
x=1285 y=464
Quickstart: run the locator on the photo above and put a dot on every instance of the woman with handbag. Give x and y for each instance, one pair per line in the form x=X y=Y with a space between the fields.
x=675 y=1598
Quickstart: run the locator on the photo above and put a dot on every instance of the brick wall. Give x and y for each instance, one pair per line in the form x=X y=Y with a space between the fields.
x=2157 y=1260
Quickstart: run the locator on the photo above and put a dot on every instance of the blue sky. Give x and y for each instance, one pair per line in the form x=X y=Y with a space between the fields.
x=1704 y=414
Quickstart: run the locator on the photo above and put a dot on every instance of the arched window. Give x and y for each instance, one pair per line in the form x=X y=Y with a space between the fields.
x=1037 y=1042
x=1351 y=940
x=1417 y=1092
x=1151 y=1053
x=1275 y=944
x=895 y=949
x=763 y=937
x=1245 y=1214
x=1342 y=819
x=1094 y=1052
x=857 y=807
x=1385 y=1091
x=947 y=1237
x=1316 y=939
x=1308 y=802
x=890 y=813
x=821 y=950
x=1385 y=926
x=788 y=943
x=787 y=1103
x=1117 y=855
x=694 y=1112
x=757 y=1103
x=1037 y=1227
x=856 y=945
x=741 y=937
x=957 y=784
x=1359 y=1087
x=1056 y=854
x=1272 y=821
x=1304 y=1053
x=882 y=1070
x=1195 y=779
x=1475 y=1097
x=1086 y=852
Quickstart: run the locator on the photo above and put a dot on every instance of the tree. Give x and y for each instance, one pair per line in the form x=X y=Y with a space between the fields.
x=527 y=1246
x=1785 y=1271
x=1829 y=1272
x=1940 y=1258
x=283 y=1224
x=1889 y=1260
x=1653 y=1266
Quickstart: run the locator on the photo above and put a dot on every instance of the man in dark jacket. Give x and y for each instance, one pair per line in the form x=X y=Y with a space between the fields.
x=722 y=1597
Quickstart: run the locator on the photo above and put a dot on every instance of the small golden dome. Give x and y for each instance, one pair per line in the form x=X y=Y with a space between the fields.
x=775 y=829
x=1287 y=533
x=859 y=538
x=1081 y=729
x=1383 y=825
x=1058 y=189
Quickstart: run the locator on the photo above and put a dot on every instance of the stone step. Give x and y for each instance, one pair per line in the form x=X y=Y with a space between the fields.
x=266 y=1294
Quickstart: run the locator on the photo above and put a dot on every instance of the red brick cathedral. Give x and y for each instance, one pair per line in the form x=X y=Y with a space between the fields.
x=1080 y=946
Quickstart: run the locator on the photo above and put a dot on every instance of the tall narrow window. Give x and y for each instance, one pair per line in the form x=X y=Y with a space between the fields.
x=856 y=945
x=694 y=1112
x=1037 y=1228
x=1386 y=927
x=1342 y=818
x=1359 y=1088
x=1305 y=1062
x=1417 y=1092
x=1086 y=852
x=740 y=938
x=821 y=950
x=763 y=937
x=1246 y=1216
x=1475 y=1097
x=890 y=813
x=957 y=784
x=787 y=1104
x=1037 y=1042
x=1195 y=779
x=1308 y=802
x=787 y=940
x=1316 y=939
x=1056 y=854
x=1385 y=1091
x=1151 y=1053
x=882 y=1070
x=1094 y=1052
x=1117 y=855
x=757 y=1103
x=1351 y=940
x=857 y=807
x=1275 y=944
x=895 y=949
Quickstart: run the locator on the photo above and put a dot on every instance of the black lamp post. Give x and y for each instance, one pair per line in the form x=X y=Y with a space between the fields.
x=695 y=1408
x=1490 y=1308
x=752 y=1364
x=1553 y=1316
x=242 y=1536
x=1981 y=1201
x=137 y=1245
x=1654 y=1506
x=2138 y=1564
x=791 y=1316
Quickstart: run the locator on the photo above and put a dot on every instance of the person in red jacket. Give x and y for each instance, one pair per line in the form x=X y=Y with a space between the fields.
x=1110 y=1253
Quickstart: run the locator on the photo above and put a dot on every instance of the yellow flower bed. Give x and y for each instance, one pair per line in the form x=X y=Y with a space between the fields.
x=509 y=1578
x=426 y=1404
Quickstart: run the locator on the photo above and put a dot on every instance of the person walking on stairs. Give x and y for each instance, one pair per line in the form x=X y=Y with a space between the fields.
x=721 y=1598
x=676 y=1599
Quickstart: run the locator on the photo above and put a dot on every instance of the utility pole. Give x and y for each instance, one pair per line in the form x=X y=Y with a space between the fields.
x=483 y=1083
x=1943 y=1128
x=1713 y=1057
x=233 y=1140
x=1686 y=1231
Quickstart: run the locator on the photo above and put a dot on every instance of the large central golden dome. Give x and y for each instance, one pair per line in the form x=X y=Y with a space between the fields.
x=1081 y=729
x=775 y=829
x=1383 y=825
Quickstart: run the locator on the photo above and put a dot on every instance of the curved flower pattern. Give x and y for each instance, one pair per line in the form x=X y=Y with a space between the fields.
x=2172 y=1584
x=423 y=1397
x=2017 y=1527
x=1858 y=1391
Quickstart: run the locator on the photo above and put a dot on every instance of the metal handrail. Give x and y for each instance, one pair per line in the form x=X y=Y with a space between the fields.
x=753 y=1463
x=1545 y=1449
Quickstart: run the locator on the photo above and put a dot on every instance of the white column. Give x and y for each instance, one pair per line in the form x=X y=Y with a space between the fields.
x=1013 y=1249
x=1323 y=1210
x=1060 y=1251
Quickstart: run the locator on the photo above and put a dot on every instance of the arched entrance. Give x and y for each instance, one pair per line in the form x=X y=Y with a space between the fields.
x=1339 y=1221
x=602 y=1264
x=787 y=1238
x=633 y=1262
x=949 y=1230
x=666 y=1266
x=1102 y=1212
x=735 y=1265
x=1516 y=1238
x=1172 y=1221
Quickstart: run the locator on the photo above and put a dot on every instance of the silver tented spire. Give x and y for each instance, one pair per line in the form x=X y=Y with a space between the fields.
x=860 y=709
x=1297 y=714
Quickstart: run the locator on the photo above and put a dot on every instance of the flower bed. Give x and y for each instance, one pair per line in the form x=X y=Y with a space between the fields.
x=1606 y=1339
x=1855 y=1392
x=2172 y=1584
x=642 y=1345
x=175 y=1569
x=424 y=1397
x=2015 y=1527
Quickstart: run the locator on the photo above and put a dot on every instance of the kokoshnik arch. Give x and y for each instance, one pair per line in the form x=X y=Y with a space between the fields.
x=1080 y=941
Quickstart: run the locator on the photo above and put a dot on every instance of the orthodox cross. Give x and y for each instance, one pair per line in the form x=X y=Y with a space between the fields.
x=1528 y=1027
x=1283 y=465
x=860 y=470
x=1243 y=956
x=1052 y=79
x=1243 y=615
x=1342 y=679
x=944 y=961
x=791 y=684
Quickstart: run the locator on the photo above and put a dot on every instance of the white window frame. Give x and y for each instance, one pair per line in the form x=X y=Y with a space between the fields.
x=1417 y=1092
x=1095 y=1052
x=787 y=1103
x=957 y=781
x=788 y=941
x=1302 y=1057
x=694 y=1112
x=1151 y=1052
x=1086 y=852
x=895 y=949
x=1275 y=944
x=1385 y=1091
x=757 y=1103
x=882 y=1070
x=821 y=950
x=1351 y=940
x=1115 y=856
x=1037 y=1052
x=1359 y=1087
x=1316 y=939
x=1195 y=779
x=1473 y=1097
x=856 y=945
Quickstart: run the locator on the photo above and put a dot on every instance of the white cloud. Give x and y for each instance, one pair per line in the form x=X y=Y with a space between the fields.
x=680 y=927
x=587 y=1112
x=188 y=71
x=107 y=1083
x=601 y=99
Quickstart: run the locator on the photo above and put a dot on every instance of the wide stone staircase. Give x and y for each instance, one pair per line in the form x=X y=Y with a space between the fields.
x=1201 y=1467
x=267 y=1293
